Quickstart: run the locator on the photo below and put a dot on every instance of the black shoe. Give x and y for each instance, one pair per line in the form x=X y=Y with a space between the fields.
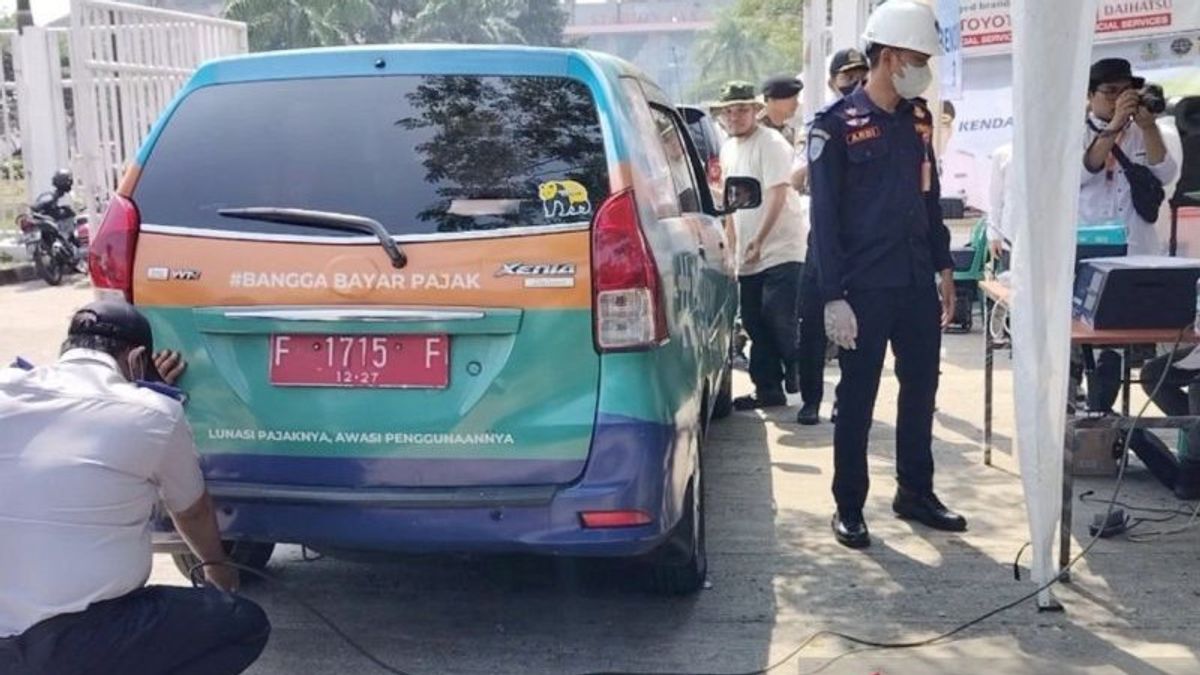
x=927 y=509
x=791 y=377
x=810 y=414
x=755 y=401
x=1187 y=483
x=850 y=531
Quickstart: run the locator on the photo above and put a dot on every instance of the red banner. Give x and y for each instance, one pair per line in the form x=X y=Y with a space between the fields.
x=986 y=23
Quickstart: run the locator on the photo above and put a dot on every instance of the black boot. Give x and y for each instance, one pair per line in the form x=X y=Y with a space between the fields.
x=851 y=530
x=810 y=414
x=928 y=510
x=772 y=399
x=1187 y=483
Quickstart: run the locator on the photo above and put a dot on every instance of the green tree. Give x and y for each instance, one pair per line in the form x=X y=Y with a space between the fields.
x=542 y=22
x=729 y=51
x=466 y=21
x=750 y=41
x=290 y=24
x=283 y=24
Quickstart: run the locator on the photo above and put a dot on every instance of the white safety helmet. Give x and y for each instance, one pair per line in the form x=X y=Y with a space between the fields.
x=906 y=24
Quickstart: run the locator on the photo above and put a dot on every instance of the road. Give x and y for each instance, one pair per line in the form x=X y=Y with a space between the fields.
x=776 y=574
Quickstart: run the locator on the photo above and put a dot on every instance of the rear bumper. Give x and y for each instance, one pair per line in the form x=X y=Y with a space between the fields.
x=632 y=465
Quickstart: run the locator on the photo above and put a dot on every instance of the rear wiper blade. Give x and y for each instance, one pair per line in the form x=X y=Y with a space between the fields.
x=325 y=220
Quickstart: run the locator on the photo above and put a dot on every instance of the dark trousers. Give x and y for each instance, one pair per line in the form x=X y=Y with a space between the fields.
x=771 y=316
x=812 y=337
x=1172 y=399
x=156 y=629
x=1104 y=374
x=910 y=319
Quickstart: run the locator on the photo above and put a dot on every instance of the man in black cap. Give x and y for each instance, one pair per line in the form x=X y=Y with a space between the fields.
x=85 y=457
x=781 y=100
x=1118 y=123
x=847 y=69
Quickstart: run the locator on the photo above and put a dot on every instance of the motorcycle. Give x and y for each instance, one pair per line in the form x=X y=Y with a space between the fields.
x=54 y=236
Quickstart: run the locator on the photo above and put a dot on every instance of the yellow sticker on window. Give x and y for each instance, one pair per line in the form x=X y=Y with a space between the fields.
x=564 y=199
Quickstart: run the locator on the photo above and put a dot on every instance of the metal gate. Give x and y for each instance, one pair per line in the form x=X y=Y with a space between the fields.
x=126 y=64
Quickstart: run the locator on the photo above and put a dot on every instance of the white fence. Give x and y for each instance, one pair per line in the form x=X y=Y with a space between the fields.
x=127 y=62
x=85 y=97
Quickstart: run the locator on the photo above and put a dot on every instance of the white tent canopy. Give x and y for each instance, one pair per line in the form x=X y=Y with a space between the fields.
x=1052 y=45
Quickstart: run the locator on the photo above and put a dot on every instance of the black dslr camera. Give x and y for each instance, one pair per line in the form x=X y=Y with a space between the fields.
x=1151 y=98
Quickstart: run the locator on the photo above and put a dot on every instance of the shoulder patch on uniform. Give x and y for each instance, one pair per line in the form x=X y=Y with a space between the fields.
x=816 y=144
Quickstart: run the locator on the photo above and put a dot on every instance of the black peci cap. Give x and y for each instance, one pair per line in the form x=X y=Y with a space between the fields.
x=781 y=86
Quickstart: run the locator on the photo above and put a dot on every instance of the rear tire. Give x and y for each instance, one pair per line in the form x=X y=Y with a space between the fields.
x=252 y=554
x=667 y=574
x=46 y=266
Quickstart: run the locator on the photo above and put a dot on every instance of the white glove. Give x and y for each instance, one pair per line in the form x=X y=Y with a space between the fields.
x=840 y=324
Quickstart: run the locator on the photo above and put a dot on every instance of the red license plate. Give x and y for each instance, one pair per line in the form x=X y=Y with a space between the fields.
x=417 y=361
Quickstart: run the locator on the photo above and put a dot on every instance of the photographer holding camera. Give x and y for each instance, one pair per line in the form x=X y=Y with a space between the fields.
x=1125 y=158
x=1126 y=166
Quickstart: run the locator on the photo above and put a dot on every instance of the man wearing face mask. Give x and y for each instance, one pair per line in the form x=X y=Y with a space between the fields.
x=880 y=242
x=847 y=70
x=88 y=451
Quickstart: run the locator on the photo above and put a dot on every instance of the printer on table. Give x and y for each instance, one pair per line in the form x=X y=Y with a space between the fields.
x=1135 y=292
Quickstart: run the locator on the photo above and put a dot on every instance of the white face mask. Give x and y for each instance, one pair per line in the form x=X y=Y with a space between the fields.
x=913 y=80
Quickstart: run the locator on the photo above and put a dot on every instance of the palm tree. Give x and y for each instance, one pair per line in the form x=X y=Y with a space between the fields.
x=466 y=21
x=730 y=51
x=288 y=24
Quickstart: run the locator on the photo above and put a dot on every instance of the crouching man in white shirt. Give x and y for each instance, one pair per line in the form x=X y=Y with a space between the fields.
x=85 y=456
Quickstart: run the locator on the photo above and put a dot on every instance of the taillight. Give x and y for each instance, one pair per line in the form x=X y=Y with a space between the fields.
x=607 y=519
x=110 y=254
x=25 y=223
x=83 y=233
x=626 y=292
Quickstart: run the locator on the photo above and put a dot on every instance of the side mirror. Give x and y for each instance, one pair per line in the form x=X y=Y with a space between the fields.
x=742 y=192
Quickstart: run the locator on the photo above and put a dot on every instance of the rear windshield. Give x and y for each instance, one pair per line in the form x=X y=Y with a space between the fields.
x=420 y=154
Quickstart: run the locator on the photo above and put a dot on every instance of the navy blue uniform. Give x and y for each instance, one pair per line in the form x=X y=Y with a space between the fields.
x=880 y=240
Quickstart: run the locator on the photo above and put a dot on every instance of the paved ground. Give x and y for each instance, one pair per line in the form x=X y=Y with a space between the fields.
x=777 y=576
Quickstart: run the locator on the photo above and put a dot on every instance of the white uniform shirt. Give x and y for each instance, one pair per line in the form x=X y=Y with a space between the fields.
x=1000 y=195
x=767 y=156
x=1104 y=196
x=84 y=458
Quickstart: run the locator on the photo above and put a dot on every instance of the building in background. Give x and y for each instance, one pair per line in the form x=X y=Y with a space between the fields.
x=658 y=36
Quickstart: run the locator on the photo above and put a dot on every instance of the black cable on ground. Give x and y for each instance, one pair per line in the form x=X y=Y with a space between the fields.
x=871 y=644
x=298 y=599
x=1086 y=498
